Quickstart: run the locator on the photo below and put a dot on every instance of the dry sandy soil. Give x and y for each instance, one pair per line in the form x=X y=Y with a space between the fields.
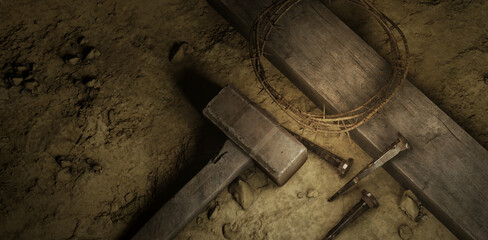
x=101 y=128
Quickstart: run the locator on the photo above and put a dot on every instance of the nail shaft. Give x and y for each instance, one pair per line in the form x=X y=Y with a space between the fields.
x=396 y=147
x=367 y=201
x=342 y=166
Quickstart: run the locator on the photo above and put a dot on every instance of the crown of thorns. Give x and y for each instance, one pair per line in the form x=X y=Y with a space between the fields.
x=330 y=123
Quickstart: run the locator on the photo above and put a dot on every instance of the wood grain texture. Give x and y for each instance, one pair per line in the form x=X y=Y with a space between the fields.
x=446 y=168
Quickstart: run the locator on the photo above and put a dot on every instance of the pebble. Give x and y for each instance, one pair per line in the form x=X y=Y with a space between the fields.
x=17 y=81
x=31 y=85
x=312 y=193
x=114 y=207
x=129 y=197
x=242 y=193
x=409 y=206
x=178 y=52
x=300 y=194
x=199 y=220
x=94 y=53
x=110 y=116
x=65 y=164
x=97 y=168
x=93 y=84
x=405 y=232
x=74 y=60
x=21 y=69
x=82 y=40
x=213 y=212
x=230 y=231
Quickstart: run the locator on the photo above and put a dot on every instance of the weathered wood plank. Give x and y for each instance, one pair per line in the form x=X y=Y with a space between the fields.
x=447 y=168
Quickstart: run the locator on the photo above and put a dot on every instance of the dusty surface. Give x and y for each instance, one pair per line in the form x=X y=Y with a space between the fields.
x=94 y=142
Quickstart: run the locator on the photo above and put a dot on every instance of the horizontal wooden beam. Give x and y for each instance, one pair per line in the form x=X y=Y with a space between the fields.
x=446 y=168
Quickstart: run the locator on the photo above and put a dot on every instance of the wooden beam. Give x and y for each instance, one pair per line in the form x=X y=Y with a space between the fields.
x=446 y=168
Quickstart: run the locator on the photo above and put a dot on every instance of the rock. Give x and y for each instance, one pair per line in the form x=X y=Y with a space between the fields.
x=110 y=117
x=424 y=217
x=65 y=164
x=178 y=52
x=199 y=220
x=230 y=231
x=93 y=83
x=411 y=195
x=213 y=211
x=17 y=81
x=242 y=193
x=96 y=168
x=31 y=85
x=312 y=193
x=409 y=205
x=114 y=207
x=405 y=232
x=30 y=77
x=129 y=197
x=21 y=69
x=82 y=40
x=300 y=195
x=74 y=60
x=94 y=53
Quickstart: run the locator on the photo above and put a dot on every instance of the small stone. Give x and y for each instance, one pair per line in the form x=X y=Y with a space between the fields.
x=213 y=212
x=17 y=81
x=411 y=195
x=94 y=53
x=178 y=52
x=110 y=116
x=74 y=60
x=199 y=220
x=114 y=207
x=31 y=85
x=93 y=84
x=65 y=164
x=21 y=69
x=230 y=231
x=129 y=197
x=409 y=206
x=300 y=195
x=312 y=193
x=96 y=168
x=82 y=40
x=405 y=232
x=242 y=193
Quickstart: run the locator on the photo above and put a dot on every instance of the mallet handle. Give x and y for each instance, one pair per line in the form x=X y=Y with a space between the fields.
x=196 y=194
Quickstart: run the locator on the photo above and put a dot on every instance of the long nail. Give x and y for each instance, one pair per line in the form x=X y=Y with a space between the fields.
x=367 y=201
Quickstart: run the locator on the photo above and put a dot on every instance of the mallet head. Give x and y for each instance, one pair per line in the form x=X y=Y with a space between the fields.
x=274 y=149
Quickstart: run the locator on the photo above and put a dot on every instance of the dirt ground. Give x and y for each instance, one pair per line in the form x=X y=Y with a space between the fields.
x=99 y=128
